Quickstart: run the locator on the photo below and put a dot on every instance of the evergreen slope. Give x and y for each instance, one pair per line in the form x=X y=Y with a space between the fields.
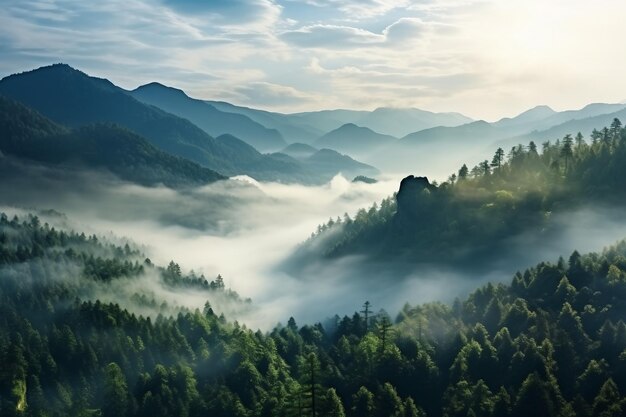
x=28 y=135
x=554 y=340
x=471 y=217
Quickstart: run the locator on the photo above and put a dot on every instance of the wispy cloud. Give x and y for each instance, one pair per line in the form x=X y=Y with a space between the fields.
x=273 y=94
x=400 y=33
x=483 y=57
x=355 y=9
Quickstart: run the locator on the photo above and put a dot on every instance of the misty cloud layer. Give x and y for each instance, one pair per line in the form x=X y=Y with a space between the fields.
x=244 y=230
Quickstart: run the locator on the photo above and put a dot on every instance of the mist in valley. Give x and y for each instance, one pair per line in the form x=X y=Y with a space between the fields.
x=245 y=230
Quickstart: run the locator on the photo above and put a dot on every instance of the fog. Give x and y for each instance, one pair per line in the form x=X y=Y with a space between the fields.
x=437 y=159
x=238 y=228
x=244 y=230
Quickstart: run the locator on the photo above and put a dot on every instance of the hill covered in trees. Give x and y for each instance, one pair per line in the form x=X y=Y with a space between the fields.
x=474 y=215
x=27 y=135
x=553 y=340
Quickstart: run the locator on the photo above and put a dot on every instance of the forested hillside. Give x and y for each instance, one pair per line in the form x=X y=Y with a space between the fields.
x=470 y=218
x=553 y=340
x=72 y=98
x=27 y=135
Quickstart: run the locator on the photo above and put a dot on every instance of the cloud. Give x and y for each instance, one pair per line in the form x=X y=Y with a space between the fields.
x=359 y=9
x=273 y=94
x=401 y=32
x=395 y=86
x=526 y=51
x=244 y=230
x=332 y=37
x=405 y=29
x=118 y=38
x=229 y=12
x=238 y=228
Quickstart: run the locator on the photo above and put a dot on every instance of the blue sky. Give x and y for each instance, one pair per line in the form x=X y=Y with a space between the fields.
x=484 y=58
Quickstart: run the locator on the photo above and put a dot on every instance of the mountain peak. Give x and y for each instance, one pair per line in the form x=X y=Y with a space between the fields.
x=541 y=108
x=152 y=84
x=53 y=79
x=478 y=123
x=351 y=127
x=537 y=111
x=592 y=106
x=58 y=68
x=531 y=115
x=354 y=129
x=404 y=110
x=155 y=86
x=352 y=139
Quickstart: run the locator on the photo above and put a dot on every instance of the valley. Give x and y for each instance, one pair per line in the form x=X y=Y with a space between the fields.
x=321 y=208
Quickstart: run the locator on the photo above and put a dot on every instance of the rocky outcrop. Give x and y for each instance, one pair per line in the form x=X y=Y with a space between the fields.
x=410 y=193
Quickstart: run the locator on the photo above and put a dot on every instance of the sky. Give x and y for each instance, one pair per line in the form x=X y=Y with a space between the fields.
x=484 y=58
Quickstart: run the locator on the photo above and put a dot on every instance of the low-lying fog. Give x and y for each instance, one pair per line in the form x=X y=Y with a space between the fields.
x=242 y=229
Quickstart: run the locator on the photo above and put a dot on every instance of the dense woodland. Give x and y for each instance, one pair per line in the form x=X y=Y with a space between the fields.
x=553 y=340
x=467 y=219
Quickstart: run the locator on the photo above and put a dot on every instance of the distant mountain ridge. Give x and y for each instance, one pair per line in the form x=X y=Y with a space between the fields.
x=528 y=116
x=208 y=118
x=460 y=133
x=329 y=160
x=299 y=150
x=590 y=110
x=399 y=122
x=441 y=149
x=384 y=120
x=74 y=99
x=354 y=140
x=306 y=127
x=292 y=129
x=585 y=126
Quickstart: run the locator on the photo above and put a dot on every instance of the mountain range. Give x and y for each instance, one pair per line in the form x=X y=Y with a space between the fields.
x=208 y=118
x=231 y=139
x=71 y=98
x=307 y=127
x=427 y=142
x=291 y=128
x=441 y=150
